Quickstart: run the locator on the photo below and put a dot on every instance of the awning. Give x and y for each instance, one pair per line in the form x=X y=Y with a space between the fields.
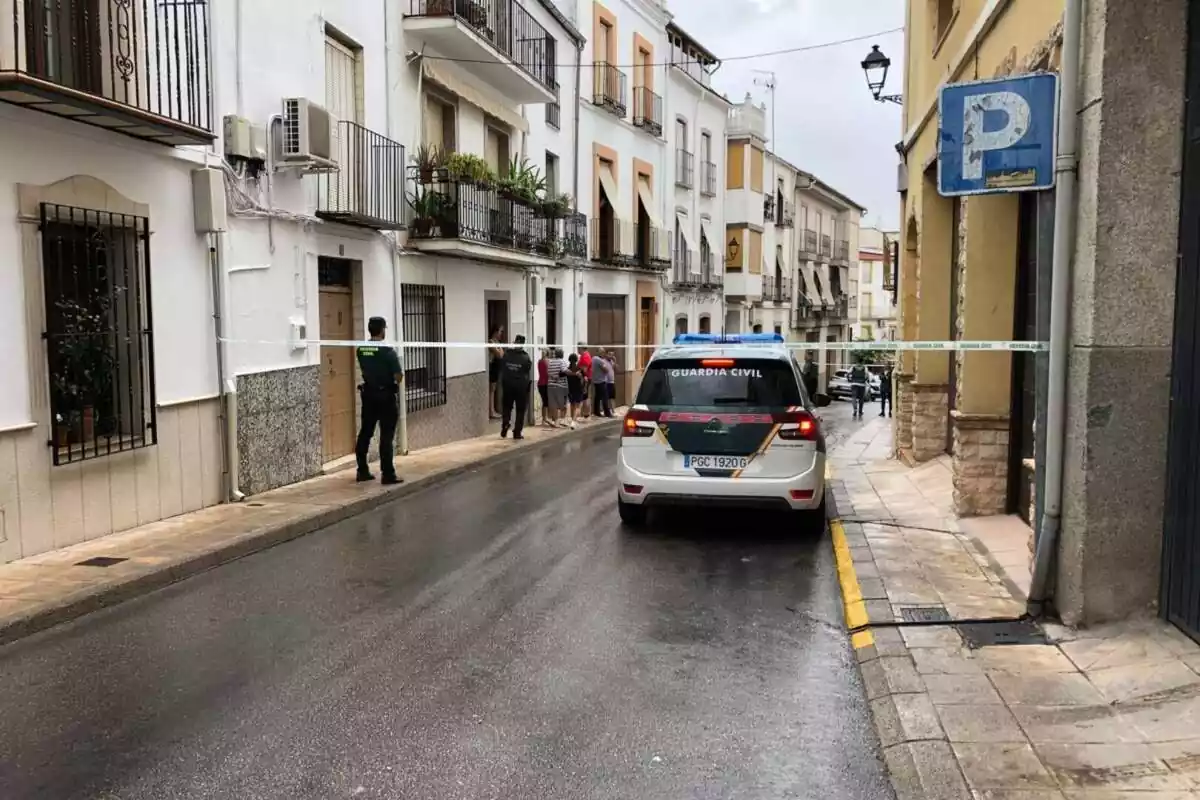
x=442 y=73
x=686 y=229
x=609 y=184
x=826 y=285
x=647 y=197
x=810 y=285
x=706 y=228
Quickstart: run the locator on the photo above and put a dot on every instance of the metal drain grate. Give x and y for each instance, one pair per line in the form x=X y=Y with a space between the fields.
x=925 y=614
x=988 y=634
x=101 y=561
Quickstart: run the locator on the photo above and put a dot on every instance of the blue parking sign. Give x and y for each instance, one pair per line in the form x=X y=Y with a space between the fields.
x=997 y=136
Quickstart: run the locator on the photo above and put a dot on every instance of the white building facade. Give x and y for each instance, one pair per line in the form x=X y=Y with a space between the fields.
x=876 y=319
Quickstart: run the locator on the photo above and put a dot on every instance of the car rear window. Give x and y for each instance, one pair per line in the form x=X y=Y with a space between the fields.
x=719 y=383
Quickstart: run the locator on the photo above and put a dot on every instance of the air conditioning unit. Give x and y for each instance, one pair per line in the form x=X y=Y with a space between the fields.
x=307 y=135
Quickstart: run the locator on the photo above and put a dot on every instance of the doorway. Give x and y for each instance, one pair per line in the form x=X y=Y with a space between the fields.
x=335 y=280
x=606 y=328
x=952 y=370
x=553 y=299
x=1024 y=365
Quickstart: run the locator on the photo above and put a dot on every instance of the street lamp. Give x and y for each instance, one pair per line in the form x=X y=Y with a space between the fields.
x=875 y=67
x=733 y=250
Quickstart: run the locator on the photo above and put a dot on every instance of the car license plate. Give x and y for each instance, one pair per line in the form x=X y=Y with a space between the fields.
x=715 y=462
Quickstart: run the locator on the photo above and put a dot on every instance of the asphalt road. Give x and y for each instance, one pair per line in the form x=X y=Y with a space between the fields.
x=500 y=636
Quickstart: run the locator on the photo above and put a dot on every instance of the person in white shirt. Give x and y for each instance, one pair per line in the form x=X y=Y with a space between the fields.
x=556 y=387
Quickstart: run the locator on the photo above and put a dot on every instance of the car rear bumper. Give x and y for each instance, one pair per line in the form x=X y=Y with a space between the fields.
x=693 y=490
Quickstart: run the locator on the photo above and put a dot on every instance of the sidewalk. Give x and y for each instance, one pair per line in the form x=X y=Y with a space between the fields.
x=45 y=590
x=1111 y=713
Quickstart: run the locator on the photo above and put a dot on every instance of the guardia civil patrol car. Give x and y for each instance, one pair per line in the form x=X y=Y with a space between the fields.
x=723 y=420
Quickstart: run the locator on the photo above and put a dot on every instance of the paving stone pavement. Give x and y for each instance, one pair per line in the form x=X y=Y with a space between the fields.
x=50 y=588
x=1109 y=713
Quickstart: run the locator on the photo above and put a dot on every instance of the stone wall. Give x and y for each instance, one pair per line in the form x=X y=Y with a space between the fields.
x=980 y=464
x=464 y=416
x=903 y=405
x=930 y=407
x=278 y=427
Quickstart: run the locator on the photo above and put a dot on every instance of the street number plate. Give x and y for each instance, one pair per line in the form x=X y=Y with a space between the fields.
x=715 y=462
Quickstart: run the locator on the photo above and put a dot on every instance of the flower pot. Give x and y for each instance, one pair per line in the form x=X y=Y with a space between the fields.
x=425 y=175
x=89 y=424
x=62 y=435
x=422 y=226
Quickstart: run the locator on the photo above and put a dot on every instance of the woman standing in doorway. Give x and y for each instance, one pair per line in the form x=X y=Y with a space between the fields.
x=542 y=377
x=495 y=362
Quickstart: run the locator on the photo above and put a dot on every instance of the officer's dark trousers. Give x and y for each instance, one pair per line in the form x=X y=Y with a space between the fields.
x=514 y=398
x=378 y=408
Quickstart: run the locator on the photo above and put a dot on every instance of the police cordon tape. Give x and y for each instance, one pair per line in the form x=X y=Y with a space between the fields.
x=889 y=346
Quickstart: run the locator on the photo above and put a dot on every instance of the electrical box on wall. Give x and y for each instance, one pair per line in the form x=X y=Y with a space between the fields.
x=208 y=201
x=534 y=283
x=299 y=334
x=244 y=140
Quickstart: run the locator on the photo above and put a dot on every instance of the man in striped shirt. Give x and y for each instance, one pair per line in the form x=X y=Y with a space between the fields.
x=556 y=387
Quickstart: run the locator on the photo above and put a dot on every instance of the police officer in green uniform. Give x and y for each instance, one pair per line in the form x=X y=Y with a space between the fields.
x=382 y=378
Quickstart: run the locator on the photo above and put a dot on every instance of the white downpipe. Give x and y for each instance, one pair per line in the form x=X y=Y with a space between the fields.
x=1060 y=304
x=226 y=383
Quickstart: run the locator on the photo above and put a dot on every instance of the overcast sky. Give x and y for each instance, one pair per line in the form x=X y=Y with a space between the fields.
x=826 y=121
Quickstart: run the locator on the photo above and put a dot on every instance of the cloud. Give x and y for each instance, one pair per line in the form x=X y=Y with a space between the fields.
x=825 y=119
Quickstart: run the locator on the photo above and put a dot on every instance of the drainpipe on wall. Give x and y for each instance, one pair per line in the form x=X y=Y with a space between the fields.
x=575 y=190
x=227 y=386
x=1060 y=306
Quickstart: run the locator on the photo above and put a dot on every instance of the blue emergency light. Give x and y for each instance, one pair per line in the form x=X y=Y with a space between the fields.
x=729 y=338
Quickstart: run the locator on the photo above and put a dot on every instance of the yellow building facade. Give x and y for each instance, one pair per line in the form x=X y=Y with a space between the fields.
x=967 y=263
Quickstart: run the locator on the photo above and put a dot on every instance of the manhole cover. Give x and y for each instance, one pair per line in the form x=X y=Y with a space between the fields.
x=101 y=561
x=924 y=614
x=988 y=634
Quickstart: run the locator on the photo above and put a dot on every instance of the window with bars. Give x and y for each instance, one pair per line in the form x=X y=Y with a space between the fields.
x=98 y=332
x=424 y=315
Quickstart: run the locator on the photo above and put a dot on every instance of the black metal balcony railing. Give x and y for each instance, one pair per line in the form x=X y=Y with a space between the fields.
x=826 y=245
x=368 y=187
x=685 y=169
x=554 y=115
x=808 y=246
x=776 y=289
x=803 y=313
x=647 y=110
x=448 y=209
x=709 y=276
x=769 y=208
x=611 y=88
x=708 y=179
x=841 y=251
x=504 y=24
x=141 y=67
x=619 y=243
x=787 y=215
x=684 y=274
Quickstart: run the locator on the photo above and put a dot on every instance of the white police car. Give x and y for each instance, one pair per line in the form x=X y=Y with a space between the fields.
x=723 y=420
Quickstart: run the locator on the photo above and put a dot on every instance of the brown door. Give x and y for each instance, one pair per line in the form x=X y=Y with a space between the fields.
x=606 y=328
x=337 y=374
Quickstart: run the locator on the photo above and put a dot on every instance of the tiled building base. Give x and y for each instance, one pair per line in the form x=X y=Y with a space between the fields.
x=930 y=409
x=903 y=411
x=464 y=416
x=279 y=427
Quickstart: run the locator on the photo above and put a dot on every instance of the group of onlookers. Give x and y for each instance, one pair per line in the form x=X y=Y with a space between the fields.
x=565 y=385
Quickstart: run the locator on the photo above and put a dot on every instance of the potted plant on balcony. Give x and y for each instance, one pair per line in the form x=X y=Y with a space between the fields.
x=439 y=8
x=469 y=168
x=428 y=158
x=427 y=208
x=557 y=207
x=523 y=183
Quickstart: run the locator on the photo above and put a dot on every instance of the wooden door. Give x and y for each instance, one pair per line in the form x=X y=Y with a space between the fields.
x=606 y=328
x=337 y=374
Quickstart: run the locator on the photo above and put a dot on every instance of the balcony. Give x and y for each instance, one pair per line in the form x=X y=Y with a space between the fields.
x=619 y=243
x=497 y=40
x=647 y=111
x=769 y=208
x=826 y=247
x=841 y=253
x=686 y=273
x=611 y=88
x=138 y=67
x=708 y=179
x=776 y=289
x=808 y=246
x=710 y=277
x=803 y=314
x=787 y=215
x=685 y=169
x=476 y=220
x=367 y=190
x=554 y=115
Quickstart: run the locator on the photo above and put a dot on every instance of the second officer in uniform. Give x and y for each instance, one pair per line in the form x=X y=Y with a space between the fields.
x=383 y=376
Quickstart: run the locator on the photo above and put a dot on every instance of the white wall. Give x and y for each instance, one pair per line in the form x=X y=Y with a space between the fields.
x=39 y=149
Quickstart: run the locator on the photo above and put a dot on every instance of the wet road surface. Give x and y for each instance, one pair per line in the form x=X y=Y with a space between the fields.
x=500 y=636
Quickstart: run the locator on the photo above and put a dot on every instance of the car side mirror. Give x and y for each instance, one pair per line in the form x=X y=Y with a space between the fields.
x=821 y=400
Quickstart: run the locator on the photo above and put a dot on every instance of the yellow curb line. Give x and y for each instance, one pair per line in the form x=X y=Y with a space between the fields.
x=856 y=607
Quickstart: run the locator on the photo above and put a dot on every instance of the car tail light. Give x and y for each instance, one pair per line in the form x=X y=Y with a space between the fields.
x=639 y=423
x=798 y=425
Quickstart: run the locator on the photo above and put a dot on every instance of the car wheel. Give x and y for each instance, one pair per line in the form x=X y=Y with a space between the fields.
x=631 y=515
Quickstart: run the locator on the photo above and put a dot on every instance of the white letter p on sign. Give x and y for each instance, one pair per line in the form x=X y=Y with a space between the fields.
x=976 y=141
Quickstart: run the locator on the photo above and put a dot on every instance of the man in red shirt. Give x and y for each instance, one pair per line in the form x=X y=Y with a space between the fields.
x=585 y=364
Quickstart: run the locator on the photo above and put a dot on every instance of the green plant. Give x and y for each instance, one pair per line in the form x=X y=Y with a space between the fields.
x=427 y=208
x=524 y=181
x=428 y=158
x=558 y=206
x=85 y=364
x=469 y=167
